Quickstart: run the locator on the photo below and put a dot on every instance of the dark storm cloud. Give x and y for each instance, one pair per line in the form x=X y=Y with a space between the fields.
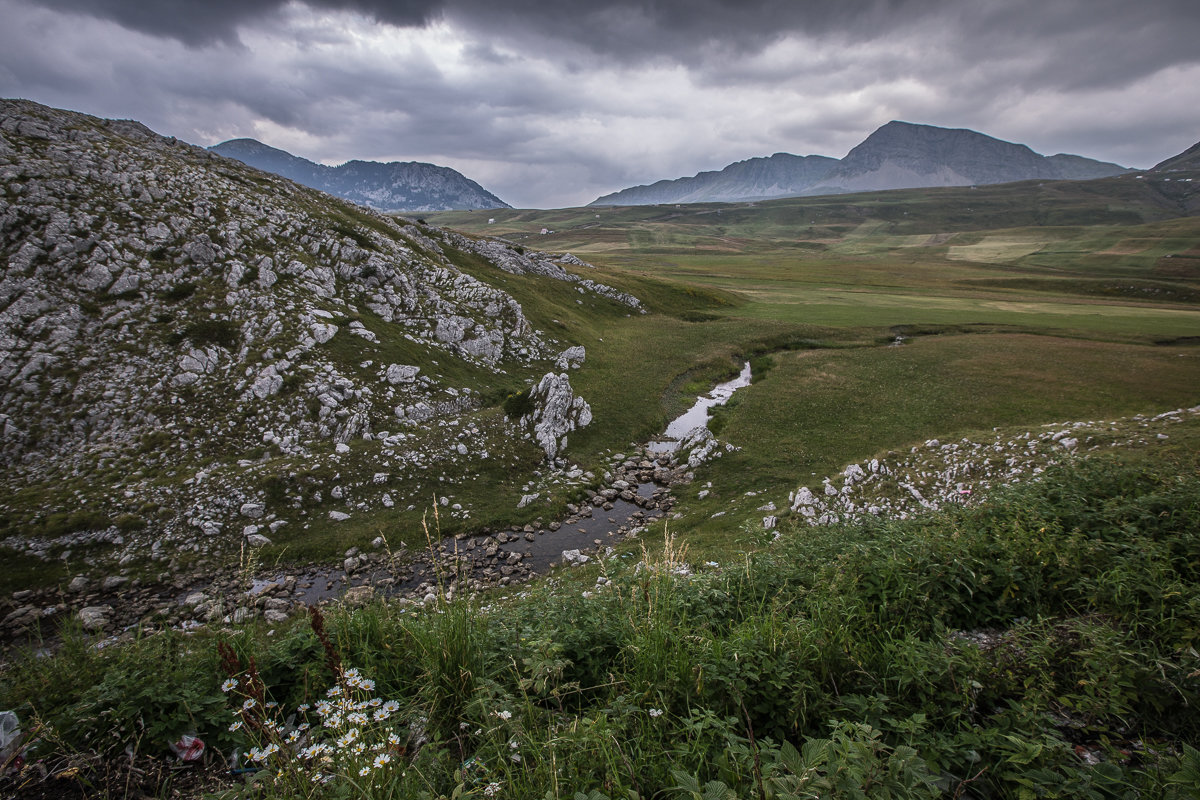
x=1086 y=42
x=201 y=22
x=552 y=102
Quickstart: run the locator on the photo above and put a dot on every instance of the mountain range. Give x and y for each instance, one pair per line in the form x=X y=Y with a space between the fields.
x=395 y=186
x=899 y=155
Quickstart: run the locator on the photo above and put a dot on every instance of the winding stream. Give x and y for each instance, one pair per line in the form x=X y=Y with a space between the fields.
x=520 y=551
x=697 y=415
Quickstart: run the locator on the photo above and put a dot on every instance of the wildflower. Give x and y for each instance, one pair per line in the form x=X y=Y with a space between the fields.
x=303 y=708
x=272 y=704
x=347 y=738
x=357 y=718
x=656 y=712
x=236 y=726
x=512 y=744
x=263 y=754
x=334 y=721
x=359 y=748
x=516 y=757
x=293 y=737
x=303 y=726
x=249 y=703
x=364 y=771
x=505 y=714
x=374 y=702
x=381 y=715
x=492 y=789
x=229 y=685
x=381 y=760
x=366 y=685
x=333 y=691
x=315 y=750
x=391 y=706
x=393 y=739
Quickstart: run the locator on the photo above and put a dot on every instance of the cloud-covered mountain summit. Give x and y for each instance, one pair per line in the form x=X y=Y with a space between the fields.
x=394 y=186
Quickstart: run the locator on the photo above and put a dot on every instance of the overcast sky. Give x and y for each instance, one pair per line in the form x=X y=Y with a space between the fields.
x=551 y=103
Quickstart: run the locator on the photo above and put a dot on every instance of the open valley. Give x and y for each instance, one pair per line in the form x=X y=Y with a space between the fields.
x=943 y=538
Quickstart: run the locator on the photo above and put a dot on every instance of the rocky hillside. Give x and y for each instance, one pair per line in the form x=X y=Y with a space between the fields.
x=899 y=155
x=409 y=186
x=196 y=355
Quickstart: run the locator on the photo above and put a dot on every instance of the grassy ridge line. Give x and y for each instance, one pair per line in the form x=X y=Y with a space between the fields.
x=1037 y=642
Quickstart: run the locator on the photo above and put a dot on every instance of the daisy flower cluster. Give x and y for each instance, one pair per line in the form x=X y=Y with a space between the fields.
x=348 y=736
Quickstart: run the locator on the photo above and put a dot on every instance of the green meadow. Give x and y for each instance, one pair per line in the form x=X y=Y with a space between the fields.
x=878 y=320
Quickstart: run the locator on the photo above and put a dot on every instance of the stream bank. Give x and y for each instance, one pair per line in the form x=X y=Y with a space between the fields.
x=637 y=491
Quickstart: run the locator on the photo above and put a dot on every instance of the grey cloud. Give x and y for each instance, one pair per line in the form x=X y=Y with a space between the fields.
x=205 y=22
x=1072 y=42
x=561 y=101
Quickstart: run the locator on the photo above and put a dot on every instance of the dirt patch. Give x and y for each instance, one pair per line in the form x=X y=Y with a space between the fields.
x=115 y=776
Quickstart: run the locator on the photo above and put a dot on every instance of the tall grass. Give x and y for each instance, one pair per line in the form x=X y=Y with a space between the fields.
x=1040 y=644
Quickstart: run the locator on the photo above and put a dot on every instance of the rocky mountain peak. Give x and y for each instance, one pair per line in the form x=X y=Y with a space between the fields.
x=899 y=155
x=410 y=186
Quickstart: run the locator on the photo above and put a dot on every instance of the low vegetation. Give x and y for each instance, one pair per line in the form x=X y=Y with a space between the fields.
x=1040 y=644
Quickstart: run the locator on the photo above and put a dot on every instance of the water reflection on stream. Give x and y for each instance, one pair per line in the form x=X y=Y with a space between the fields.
x=594 y=527
x=697 y=415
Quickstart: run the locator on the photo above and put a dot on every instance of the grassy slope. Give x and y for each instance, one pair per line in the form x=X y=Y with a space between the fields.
x=1063 y=288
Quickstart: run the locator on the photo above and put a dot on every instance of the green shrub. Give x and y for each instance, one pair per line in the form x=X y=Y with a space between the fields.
x=518 y=405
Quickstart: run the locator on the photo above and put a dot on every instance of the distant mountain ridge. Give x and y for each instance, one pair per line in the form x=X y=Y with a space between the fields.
x=780 y=175
x=899 y=155
x=1187 y=160
x=394 y=186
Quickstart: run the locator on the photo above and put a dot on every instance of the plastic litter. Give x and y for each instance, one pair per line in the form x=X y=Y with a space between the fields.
x=189 y=747
x=10 y=735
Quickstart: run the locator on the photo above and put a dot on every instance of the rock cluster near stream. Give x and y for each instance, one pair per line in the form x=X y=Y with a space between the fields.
x=413 y=574
x=195 y=355
x=935 y=473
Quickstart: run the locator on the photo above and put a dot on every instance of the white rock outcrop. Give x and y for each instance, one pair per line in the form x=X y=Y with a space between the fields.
x=556 y=412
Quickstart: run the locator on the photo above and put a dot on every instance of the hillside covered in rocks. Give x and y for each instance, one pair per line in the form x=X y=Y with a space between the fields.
x=196 y=356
